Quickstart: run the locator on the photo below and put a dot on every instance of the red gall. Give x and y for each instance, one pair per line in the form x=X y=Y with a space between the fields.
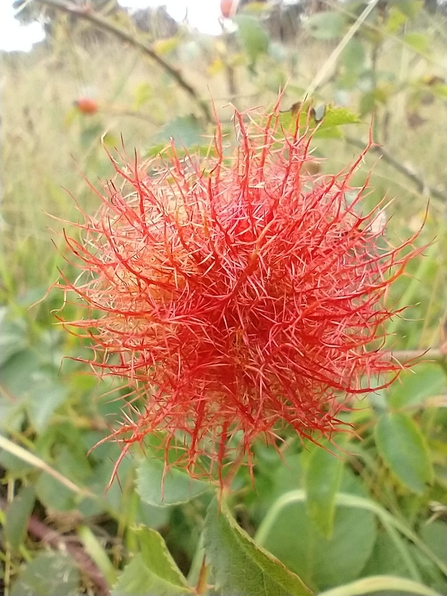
x=238 y=296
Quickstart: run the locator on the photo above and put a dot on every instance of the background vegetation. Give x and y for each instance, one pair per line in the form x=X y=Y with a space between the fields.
x=376 y=511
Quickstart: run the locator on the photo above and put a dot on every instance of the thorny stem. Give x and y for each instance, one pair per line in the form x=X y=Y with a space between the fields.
x=87 y=13
x=228 y=480
x=202 y=582
x=438 y=356
x=417 y=180
x=431 y=355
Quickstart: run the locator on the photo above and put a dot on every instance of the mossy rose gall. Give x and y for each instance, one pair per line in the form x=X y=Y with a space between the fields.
x=238 y=293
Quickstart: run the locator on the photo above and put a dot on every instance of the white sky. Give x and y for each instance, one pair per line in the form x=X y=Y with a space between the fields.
x=12 y=35
x=202 y=14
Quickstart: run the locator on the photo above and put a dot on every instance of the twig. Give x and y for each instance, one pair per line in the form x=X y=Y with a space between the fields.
x=65 y=544
x=202 y=583
x=438 y=355
x=417 y=180
x=99 y=21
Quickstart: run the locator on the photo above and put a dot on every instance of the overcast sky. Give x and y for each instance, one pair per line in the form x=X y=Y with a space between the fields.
x=202 y=14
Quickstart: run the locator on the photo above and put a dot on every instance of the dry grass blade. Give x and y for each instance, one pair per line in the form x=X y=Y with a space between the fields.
x=35 y=461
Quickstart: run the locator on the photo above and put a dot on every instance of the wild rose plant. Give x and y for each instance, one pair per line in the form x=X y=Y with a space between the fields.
x=238 y=296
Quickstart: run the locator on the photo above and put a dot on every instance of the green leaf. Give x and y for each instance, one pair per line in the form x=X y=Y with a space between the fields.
x=142 y=94
x=54 y=495
x=160 y=489
x=385 y=558
x=253 y=36
x=337 y=116
x=322 y=481
x=367 y=103
x=417 y=385
x=138 y=580
x=35 y=385
x=299 y=543
x=167 y=45
x=16 y=373
x=434 y=535
x=17 y=516
x=409 y=7
x=49 y=574
x=402 y=446
x=71 y=460
x=91 y=135
x=397 y=531
x=239 y=566
x=334 y=117
x=152 y=516
x=12 y=416
x=439 y=90
x=46 y=393
x=152 y=570
x=13 y=337
x=157 y=557
x=327 y=117
x=185 y=130
x=417 y=41
x=326 y=25
x=396 y=18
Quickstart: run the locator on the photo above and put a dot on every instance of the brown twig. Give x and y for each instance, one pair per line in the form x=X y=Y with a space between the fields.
x=417 y=180
x=202 y=583
x=438 y=355
x=87 y=13
x=65 y=544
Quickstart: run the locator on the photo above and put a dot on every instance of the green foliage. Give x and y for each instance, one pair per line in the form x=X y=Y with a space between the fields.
x=185 y=131
x=326 y=121
x=417 y=386
x=160 y=487
x=319 y=560
x=253 y=37
x=48 y=574
x=326 y=25
x=152 y=570
x=17 y=516
x=403 y=448
x=239 y=566
x=323 y=477
x=370 y=518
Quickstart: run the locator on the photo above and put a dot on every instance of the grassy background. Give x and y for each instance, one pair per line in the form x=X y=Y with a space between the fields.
x=48 y=146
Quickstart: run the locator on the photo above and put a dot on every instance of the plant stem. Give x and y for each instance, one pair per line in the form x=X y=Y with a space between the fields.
x=430 y=355
x=202 y=583
x=101 y=22
x=409 y=173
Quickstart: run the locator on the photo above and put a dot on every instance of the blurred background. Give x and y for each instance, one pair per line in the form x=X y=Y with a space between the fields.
x=81 y=73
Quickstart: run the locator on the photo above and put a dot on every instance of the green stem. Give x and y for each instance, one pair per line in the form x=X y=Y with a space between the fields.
x=392 y=525
x=380 y=583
